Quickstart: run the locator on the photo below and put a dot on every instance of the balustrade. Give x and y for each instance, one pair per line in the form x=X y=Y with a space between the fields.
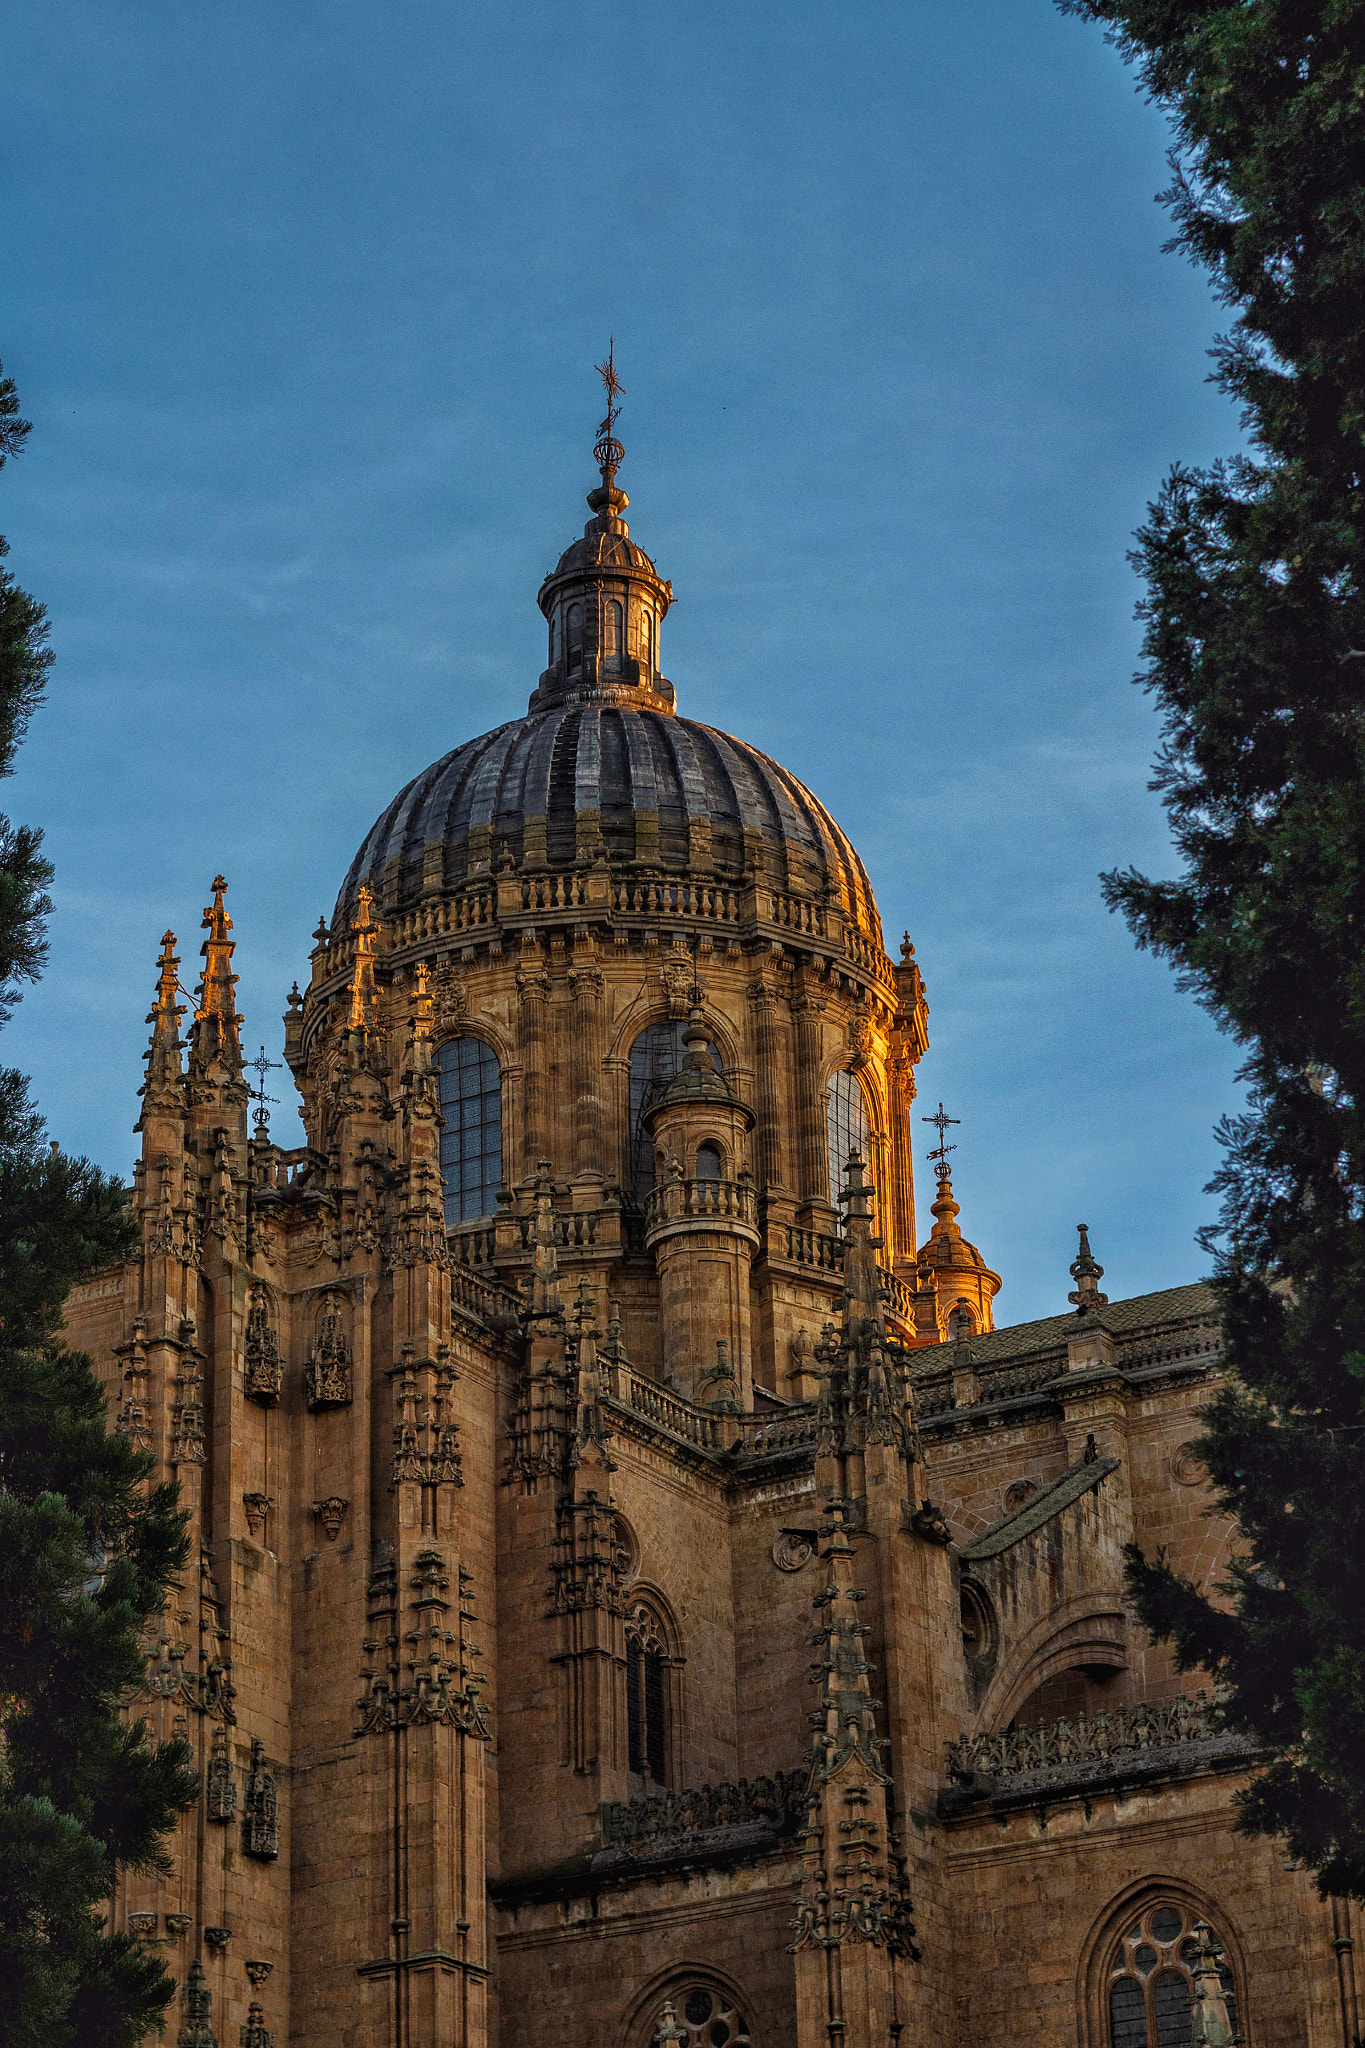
x=648 y=1399
x=678 y=1196
x=766 y=1434
x=1113 y=1732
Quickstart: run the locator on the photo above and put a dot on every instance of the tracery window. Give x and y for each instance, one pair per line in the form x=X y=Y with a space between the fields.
x=655 y=1058
x=646 y=1696
x=700 y=2016
x=847 y=1128
x=1151 y=1988
x=471 y=1142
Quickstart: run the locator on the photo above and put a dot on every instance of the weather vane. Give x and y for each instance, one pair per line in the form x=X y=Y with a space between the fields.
x=261 y=1066
x=939 y=1155
x=608 y=452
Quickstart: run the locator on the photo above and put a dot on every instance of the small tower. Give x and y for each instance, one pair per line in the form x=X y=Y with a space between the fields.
x=701 y=1218
x=605 y=601
x=964 y=1285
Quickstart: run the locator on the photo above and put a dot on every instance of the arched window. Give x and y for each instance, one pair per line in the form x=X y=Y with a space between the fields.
x=471 y=1142
x=574 y=637
x=847 y=1128
x=612 y=635
x=710 y=1165
x=554 y=636
x=655 y=1058
x=1152 y=1987
x=647 y=641
x=646 y=1697
x=699 y=2016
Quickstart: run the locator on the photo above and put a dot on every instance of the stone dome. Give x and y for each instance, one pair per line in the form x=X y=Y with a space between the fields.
x=601 y=768
x=564 y=785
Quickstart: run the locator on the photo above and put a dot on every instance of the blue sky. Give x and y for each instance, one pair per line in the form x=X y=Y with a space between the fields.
x=304 y=302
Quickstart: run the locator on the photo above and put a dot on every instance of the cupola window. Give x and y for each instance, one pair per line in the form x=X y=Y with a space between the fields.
x=647 y=641
x=471 y=1142
x=710 y=1165
x=574 y=638
x=846 y=1126
x=612 y=632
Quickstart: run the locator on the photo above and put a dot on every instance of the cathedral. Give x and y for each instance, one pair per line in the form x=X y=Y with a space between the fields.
x=641 y=1594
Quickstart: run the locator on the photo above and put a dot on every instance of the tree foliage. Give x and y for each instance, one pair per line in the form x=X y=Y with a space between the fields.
x=88 y=1544
x=1254 y=649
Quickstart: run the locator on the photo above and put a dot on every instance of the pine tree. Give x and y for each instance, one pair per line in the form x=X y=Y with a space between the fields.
x=88 y=1545
x=1254 y=650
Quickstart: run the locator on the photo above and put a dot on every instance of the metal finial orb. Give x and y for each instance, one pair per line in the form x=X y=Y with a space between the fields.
x=608 y=453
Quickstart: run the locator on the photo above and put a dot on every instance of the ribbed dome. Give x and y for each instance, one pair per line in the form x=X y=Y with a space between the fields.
x=564 y=784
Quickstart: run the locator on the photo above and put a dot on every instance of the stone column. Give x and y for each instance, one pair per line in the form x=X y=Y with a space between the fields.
x=533 y=992
x=770 y=1137
x=589 y=1052
x=812 y=1182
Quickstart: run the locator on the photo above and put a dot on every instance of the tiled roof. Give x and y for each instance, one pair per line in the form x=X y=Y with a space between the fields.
x=1196 y=1303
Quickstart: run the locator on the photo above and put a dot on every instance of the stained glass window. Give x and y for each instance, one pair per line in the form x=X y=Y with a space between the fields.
x=847 y=1128
x=471 y=1142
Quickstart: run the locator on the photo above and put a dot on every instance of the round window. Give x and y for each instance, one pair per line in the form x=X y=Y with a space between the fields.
x=699 y=2016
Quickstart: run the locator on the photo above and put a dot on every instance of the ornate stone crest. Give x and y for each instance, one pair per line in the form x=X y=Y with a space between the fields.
x=793 y=1549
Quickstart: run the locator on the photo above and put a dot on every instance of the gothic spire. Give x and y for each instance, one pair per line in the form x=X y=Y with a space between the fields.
x=863 y=1314
x=853 y=1887
x=546 y=1301
x=362 y=973
x=217 y=1039
x=162 y=1087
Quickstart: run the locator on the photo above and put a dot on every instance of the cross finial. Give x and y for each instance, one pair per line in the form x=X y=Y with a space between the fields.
x=608 y=452
x=261 y=1067
x=939 y=1155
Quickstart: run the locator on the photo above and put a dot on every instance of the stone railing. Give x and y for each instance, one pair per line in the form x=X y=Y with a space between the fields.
x=274 y=1166
x=813 y=1248
x=478 y=1294
x=826 y=1254
x=773 y=1802
x=668 y=1411
x=1111 y=1733
x=677 y=1198
x=865 y=954
x=765 y=1435
x=469 y=912
x=674 y=896
x=575 y=1229
x=1183 y=1347
x=798 y=914
x=472 y=1244
x=551 y=891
